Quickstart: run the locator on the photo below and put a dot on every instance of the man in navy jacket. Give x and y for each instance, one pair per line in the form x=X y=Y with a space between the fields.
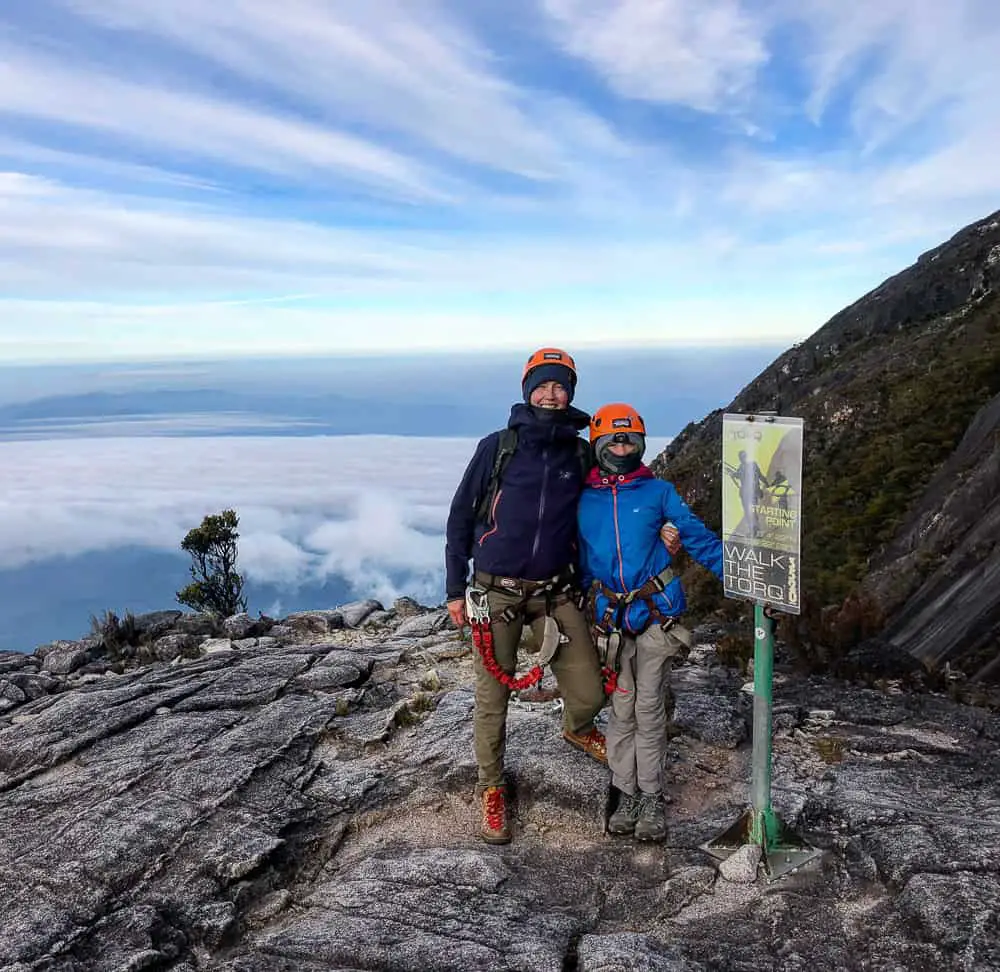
x=523 y=551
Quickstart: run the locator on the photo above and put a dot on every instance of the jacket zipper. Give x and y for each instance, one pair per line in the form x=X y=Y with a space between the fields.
x=493 y=517
x=541 y=503
x=618 y=539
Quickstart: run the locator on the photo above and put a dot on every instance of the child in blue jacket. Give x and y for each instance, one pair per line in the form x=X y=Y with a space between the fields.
x=634 y=601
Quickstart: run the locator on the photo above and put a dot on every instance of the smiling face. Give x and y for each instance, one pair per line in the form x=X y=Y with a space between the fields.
x=550 y=394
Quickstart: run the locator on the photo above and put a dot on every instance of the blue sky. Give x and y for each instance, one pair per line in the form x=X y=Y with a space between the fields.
x=192 y=178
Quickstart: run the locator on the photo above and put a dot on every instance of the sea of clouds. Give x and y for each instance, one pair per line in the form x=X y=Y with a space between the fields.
x=370 y=510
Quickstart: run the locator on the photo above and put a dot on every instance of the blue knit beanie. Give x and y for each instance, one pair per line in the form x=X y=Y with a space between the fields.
x=549 y=372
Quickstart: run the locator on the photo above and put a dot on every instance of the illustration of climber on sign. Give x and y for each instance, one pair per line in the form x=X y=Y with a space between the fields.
x=752 y=484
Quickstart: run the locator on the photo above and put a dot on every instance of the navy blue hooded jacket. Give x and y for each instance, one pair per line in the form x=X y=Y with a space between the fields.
x=533 y=535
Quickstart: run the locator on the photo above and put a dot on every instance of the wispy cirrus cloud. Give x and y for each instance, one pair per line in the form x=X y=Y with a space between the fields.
x=702 y=55
x=196 y=125
x=894 y=64
x=644 y=156
x=185 y=248
x=391 y=67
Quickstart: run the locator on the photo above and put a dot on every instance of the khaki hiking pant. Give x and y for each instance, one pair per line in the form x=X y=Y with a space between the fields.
x=575 y=665
x=637 y=728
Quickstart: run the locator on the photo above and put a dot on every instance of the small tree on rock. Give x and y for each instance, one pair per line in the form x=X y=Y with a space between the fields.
x=217 y=586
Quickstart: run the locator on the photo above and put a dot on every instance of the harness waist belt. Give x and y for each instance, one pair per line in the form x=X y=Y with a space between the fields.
x=618 y=603
x=522 y=586
x=653 y=586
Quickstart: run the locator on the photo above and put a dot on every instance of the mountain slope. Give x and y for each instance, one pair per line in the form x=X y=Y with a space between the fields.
x=897 y=392
x=299 y=797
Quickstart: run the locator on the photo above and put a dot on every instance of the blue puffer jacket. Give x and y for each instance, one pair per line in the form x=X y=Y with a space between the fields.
x=533 y=535
x=620 y=519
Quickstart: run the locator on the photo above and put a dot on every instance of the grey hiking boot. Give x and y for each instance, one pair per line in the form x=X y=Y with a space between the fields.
x=622 y=821
x=652 y=824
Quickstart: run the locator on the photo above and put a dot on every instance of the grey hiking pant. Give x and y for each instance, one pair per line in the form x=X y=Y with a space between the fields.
x=637 y=729
x=575 y=665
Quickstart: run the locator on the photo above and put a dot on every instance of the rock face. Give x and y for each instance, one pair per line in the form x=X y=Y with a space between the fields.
x=900 y=394
x=939 y=579
x=305 y=802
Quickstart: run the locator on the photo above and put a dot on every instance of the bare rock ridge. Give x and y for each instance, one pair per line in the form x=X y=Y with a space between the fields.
x=900 y=393
x=296 y=794
x=939 y=579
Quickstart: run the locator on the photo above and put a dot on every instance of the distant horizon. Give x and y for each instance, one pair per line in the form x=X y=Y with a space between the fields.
x=507 y=350
x=687 y=378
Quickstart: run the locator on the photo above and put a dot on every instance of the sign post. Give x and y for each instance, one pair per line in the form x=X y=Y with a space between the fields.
x=761 y=516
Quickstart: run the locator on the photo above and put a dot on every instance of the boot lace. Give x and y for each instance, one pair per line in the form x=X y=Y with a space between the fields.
x=595 y=741
x=628 y=806
x=649 y=806
x=494 y=808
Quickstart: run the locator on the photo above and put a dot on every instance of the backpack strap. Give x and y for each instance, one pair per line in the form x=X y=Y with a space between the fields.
x=506 y=446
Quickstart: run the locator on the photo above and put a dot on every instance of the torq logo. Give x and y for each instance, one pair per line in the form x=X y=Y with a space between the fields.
x=552 y=356
x=621 y=423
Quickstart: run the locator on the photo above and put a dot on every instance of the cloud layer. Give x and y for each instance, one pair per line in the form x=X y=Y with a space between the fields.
x=370 y=510
x=192 y=177
x=364 y=509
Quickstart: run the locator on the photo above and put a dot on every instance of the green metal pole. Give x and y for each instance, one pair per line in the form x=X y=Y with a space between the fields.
x=764 y=826
x=783 y=849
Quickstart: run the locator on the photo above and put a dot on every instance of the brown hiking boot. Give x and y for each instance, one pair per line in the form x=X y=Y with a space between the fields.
x=495 y=828
x=591 y=742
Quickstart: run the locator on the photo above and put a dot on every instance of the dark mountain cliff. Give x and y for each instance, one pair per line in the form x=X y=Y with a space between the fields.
x=900 y=393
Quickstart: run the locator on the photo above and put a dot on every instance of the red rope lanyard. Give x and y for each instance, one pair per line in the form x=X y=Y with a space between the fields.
x=610 y=677
x=482 y=638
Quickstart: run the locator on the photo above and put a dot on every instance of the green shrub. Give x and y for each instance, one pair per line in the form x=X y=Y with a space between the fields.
x=217 y=587
x=119 y=638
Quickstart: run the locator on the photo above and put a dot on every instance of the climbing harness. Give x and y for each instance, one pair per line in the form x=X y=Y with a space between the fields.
x=608 y=629
x=478 y=610
x=613 y=617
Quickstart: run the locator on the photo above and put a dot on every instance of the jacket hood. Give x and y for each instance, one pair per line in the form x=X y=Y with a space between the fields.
x=599 y=479
x=566 y=421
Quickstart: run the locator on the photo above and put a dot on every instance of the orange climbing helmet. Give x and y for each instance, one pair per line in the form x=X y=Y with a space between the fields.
x=547 y=356
x=548 y=364
x=615 y=423
x=616 y=418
